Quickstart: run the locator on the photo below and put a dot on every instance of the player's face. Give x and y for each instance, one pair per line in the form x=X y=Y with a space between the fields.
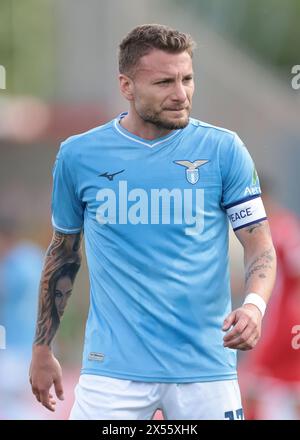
x=62 y=293
x=162 y=89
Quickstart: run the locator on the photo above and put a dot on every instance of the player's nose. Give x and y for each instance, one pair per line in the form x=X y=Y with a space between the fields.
x=179 y=93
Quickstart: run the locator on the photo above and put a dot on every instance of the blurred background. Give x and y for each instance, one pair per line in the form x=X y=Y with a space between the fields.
x=60 y=59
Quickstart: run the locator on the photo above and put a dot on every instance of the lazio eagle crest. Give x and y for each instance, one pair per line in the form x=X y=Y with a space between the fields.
x=191 y=172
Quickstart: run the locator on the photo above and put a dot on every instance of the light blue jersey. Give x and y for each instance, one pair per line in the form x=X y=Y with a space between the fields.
x=156 y=236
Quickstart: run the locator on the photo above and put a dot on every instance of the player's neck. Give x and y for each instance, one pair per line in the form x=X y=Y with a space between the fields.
x=145 y=130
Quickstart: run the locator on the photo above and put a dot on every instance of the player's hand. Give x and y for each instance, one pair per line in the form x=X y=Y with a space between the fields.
x=45 y=371
x=246 y=322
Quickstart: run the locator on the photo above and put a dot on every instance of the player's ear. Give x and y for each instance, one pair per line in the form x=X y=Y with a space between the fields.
x=126 y=86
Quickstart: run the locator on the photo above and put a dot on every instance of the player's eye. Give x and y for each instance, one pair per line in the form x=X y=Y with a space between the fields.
x=164 y=81
x=58 y=294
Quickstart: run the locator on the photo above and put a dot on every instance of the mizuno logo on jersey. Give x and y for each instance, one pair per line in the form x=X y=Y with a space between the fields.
x=110 y=176
x=155 y=206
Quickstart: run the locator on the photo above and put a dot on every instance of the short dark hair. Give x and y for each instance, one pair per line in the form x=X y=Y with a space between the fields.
x=143 y=39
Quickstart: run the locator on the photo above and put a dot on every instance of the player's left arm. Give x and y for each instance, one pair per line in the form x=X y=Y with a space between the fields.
x=260 y=272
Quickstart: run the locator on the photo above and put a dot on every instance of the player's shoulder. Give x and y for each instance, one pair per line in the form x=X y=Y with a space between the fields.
x=77 y=142
x=215 y=133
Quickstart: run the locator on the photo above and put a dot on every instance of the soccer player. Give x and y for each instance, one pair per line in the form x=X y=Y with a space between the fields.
x=153 y=190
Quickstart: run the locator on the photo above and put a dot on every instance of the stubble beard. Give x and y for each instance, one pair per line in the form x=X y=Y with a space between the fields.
x=159 y=121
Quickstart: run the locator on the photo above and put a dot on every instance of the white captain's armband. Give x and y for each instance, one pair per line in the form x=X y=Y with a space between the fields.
x=246 y=212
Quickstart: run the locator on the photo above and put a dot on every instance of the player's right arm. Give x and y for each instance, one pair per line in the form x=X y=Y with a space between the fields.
x=62 y=262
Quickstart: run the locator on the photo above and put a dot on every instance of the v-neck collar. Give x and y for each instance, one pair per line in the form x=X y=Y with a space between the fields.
x=139 y=140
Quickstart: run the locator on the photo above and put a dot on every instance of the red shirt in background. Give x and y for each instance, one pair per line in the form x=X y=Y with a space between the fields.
x=274 y=356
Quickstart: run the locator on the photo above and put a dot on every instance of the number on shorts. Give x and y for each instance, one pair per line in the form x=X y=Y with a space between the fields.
x=238 y=414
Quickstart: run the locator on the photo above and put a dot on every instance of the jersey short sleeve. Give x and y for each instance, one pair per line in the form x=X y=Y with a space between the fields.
x=241 y=189
x=67 y=209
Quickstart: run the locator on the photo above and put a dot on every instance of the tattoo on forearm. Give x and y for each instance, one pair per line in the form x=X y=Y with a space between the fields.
x=61 y=265
x=253 y=227
x=261 y=264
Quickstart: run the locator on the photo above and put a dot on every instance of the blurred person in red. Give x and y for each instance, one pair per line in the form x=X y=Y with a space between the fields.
x=270 y=374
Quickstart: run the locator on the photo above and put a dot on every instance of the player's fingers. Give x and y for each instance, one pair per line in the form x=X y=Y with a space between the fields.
x=251 y=343
x=228 y=321
x=59 y=391
x=237 y=330
x=52 y=399
x=36 y=393
x=45 y=400
x=244 y=339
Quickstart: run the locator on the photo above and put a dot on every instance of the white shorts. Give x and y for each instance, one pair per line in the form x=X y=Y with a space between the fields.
x=108 y=398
